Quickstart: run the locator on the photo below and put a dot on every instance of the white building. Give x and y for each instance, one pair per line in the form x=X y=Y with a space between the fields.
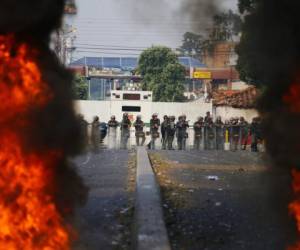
x=145 y=107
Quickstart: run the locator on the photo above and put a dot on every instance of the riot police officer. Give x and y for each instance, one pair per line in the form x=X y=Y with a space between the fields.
x=198 y=127
x=235 y=133
x=164 y=134
x=84 y=129
x=244 y=132
x=220 y=133
x=112 y=132
x=182 y=126
x=95 y=135
x=171 y=131
x=139 y=131
x=154 y=128
x=125 y=130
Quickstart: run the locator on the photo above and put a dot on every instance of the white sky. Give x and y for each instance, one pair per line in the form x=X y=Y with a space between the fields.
x=105 y=24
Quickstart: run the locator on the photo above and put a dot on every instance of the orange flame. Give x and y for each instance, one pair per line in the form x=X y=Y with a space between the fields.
x=294 y=206
x=29 y=219
x=292 y=100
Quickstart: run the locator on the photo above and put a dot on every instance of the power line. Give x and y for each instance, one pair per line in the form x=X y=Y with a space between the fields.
x=113 y=46
x=106 y=53
x=114 y=49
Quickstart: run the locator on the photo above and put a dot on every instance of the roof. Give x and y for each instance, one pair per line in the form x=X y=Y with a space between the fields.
x=127 y=63
x=245 y=99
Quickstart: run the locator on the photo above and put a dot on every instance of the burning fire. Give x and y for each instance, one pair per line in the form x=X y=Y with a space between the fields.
x=294 y=206
x=292 y=99
x=29 y=218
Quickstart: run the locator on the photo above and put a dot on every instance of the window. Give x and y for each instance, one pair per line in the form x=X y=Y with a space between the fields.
x=132 y=97
x=131 y=108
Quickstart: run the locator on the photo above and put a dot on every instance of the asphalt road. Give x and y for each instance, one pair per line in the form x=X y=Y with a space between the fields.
x=224 y=201
x=101 y=223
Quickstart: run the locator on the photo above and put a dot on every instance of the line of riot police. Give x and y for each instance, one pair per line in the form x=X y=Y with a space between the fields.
x=234 y=134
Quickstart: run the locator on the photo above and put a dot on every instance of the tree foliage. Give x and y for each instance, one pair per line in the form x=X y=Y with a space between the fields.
x=247 y=5
x=162 y=74
x=226 y=26
x=192 y=45
x=80 y=87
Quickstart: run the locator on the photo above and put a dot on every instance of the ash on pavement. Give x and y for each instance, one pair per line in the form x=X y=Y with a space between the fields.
x=224 y=200
x=104 y=222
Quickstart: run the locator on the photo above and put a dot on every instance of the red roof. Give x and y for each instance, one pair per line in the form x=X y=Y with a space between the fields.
x=245 y=99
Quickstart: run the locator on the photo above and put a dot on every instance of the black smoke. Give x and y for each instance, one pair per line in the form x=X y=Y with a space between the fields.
x=201 y=13
x=37 y=17
x=54 y=127
x=269 y=56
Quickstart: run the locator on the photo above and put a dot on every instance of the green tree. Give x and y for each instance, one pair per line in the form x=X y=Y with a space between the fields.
x=162 y=74
x=226 y=26
x=247 y=5
x=192 y=45
x=80 y=87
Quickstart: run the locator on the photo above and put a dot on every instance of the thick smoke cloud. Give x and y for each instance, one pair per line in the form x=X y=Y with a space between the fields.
x=201 y=13
x=36 y=16
x=195 y=15
x=270 y=55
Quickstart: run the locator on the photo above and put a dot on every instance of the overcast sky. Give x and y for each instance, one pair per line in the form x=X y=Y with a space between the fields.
x=106 y=26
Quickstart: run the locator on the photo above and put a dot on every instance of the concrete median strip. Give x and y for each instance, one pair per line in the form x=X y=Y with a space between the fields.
x=150 y=229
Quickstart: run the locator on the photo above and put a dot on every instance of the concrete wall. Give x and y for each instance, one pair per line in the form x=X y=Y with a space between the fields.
x=228 y=112
x=105 y=109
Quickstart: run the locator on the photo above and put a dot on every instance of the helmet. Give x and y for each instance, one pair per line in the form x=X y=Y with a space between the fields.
x=125 y=114
x=113 y=117
x=155 y=115
x=139 y=117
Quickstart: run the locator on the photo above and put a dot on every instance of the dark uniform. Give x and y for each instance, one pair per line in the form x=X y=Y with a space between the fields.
x=209 y=133
x=244 y=132
x=164 y=134
x=219 y=127
x=198 y=131
x=256 y=134
x=154 y=128
x=84 y=129
x=182 y=126
x=139 y=131
x=171 y=131
x=112 y=132
x=235 y=134
x=125 y=131
x=95 y=135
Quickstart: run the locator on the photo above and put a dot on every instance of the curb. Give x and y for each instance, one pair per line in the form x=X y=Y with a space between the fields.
x=150 y=229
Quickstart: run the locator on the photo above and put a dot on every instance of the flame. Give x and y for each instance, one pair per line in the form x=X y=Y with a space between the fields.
x=294 y=206
x=29 y=218
x=292 y=100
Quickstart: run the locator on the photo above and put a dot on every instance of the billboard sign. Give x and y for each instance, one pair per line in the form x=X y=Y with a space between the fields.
x=202 y=75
